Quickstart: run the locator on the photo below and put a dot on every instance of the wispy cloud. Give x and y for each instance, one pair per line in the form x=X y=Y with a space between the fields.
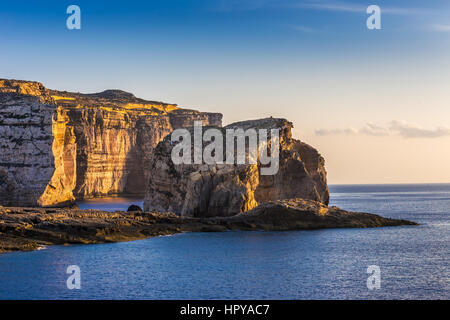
x=331 y=6
x=304 y=29
x=401 y=128
x=319 y=5
x=374 y=130
x=328 y=132
x=427 y=11
x=341 y=6
x=414 y=131
x=441 y=27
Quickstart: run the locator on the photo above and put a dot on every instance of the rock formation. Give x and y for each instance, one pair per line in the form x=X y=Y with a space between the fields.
x=208 y=190
x=56 y=147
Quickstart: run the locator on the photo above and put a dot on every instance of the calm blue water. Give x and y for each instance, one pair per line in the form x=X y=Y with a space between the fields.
x=322 y=264
x=110 y=204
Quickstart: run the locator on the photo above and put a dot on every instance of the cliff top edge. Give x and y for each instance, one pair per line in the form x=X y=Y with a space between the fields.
x=108 y=98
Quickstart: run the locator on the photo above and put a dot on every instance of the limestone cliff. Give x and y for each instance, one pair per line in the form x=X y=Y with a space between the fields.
x=207 y=190
x=56 y=147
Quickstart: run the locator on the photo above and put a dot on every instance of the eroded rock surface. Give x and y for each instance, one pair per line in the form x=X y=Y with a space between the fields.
x=57 y=146
x=208 y=190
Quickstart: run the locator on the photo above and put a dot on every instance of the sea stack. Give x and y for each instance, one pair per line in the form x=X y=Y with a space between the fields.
x=209 y=190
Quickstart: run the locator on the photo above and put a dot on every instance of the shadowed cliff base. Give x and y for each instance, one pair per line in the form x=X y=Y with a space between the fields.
x=24 y=229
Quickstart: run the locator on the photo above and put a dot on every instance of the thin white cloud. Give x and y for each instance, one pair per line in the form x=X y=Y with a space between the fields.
x=414 y=131
x=401 y=128
x=319 y=5
x=441 y=27
x=332 y=6
x=336 y=6
x=341 y=6
x=304 y=29
x=328 y=132
x=374 y=130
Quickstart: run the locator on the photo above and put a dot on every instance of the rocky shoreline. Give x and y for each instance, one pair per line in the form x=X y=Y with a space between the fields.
x=26 y=229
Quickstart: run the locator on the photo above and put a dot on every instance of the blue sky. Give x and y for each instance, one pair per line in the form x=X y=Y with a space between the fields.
x=217 y=35
x=313 y=62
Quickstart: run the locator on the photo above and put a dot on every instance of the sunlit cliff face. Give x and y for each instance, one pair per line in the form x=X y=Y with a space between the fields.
x=58 y=146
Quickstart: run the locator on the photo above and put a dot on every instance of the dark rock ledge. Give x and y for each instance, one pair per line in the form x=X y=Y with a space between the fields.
x=23 y=229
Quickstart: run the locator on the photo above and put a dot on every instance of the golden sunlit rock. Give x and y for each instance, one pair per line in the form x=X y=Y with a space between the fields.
x=60 y=146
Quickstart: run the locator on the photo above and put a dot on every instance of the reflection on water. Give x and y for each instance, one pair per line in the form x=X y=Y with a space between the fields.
x=111 y=203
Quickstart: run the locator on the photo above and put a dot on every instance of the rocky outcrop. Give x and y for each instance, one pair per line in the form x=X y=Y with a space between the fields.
x=29 y=228
x=208 y=190
x=56 y=147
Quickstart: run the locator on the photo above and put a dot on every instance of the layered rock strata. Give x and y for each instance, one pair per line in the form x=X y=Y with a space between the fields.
x=56 y=146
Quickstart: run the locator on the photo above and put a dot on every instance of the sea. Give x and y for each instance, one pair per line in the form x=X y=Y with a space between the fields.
x=407 y=262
